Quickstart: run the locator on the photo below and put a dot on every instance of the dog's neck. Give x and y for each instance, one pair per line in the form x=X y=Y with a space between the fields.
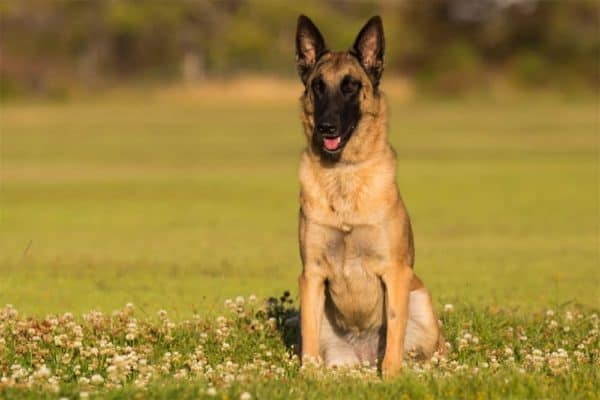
x=346 y=187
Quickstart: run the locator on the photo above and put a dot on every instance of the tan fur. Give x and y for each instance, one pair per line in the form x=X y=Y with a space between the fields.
x=360 y=300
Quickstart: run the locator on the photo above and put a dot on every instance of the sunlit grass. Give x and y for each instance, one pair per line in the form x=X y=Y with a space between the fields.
x=240 y=354
x=178 y=202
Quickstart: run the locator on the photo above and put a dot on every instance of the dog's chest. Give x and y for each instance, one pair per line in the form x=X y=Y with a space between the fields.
x=344 y=198
x=354 y=287
x=344 y=194
x=346 y=209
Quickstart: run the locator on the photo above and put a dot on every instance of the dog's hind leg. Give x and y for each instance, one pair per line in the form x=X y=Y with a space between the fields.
x=335 y=350
x=422 y=329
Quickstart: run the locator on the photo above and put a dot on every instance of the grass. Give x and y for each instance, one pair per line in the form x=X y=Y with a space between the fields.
x=179 y=202
x=241 y=355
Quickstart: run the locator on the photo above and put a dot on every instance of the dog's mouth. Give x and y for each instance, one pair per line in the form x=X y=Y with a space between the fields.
x=334 y=143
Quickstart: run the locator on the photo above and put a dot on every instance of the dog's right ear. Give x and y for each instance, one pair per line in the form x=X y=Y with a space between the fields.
x=309 y=46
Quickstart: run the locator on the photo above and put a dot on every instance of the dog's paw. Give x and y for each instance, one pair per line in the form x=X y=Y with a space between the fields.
x=390 y=368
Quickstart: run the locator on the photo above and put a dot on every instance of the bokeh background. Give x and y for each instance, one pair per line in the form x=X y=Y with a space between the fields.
x=447 y=46
x=149 y=149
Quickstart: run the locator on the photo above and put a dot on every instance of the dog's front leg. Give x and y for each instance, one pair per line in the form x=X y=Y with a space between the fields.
x=397 y=281
x=312 y=301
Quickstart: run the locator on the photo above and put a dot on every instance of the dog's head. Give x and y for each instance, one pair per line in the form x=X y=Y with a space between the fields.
x=341 y=100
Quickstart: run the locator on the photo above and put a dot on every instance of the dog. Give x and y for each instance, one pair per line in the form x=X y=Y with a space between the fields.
x=360 y=300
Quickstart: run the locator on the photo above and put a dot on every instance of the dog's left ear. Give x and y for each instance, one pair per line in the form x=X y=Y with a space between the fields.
x=369 y=47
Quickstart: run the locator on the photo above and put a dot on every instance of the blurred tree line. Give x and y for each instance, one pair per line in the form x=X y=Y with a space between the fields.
x=444 y=45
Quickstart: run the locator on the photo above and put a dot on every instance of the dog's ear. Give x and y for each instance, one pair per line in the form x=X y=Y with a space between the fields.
x=309 y=46
x=369 y=47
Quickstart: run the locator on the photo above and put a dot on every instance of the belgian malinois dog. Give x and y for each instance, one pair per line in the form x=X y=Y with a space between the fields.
x=360 y=300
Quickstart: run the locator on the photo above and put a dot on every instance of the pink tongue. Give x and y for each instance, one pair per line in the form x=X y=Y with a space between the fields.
x=332 y=143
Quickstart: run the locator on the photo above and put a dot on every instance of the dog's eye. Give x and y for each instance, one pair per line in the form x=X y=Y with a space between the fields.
x=318 y=86
x=350 y=86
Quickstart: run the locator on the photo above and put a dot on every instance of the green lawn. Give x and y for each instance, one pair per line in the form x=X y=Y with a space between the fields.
x=179 y=203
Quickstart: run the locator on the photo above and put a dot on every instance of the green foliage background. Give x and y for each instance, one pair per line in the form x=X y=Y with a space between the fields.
x=447 y=46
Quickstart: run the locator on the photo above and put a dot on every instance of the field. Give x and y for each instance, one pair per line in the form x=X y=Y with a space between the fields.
x=178 y=202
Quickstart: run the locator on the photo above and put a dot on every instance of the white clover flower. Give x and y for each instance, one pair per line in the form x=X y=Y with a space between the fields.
x=562 y=352
x=448 y=308
x=549 y=313
x=252 y=299
x=97 y=379
x=568 y=316
x=181 y=374
x=239 y=301
x=43 y=372
x=508 y=351
x=245 y=396
x=581 y=357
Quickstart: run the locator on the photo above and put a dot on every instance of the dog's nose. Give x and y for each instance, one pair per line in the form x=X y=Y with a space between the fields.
x=326 y=128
